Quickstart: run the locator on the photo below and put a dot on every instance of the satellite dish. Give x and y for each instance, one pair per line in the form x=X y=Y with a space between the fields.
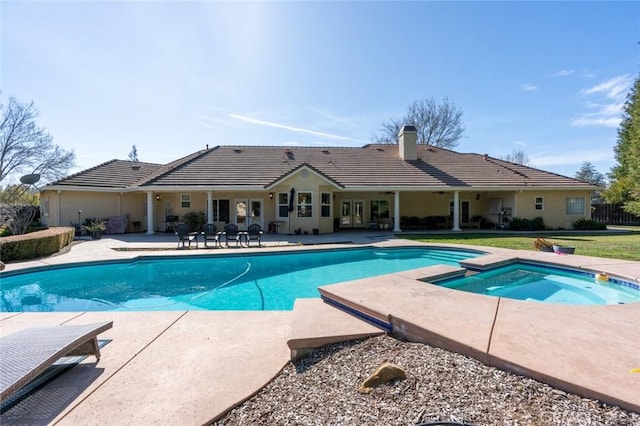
x=30 y=179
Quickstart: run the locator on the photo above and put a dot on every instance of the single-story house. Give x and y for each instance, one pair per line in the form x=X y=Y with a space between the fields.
x=311 y=189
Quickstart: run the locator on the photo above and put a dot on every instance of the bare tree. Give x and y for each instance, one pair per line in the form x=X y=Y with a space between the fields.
x=27 y=148
x=518 y=156
x=437 y=124
x=18 y=208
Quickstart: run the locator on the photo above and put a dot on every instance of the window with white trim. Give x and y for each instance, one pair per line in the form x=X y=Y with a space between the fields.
x=325 y=204
x=185 y=201
x=539 y=203
x=283 y=204
x=305 y=204
x=575 y=206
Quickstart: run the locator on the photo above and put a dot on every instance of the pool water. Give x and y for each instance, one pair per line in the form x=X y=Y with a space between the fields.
x=545 y=284
x=256 y=281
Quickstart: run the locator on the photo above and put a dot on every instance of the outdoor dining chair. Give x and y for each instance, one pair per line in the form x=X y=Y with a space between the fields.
x=254 y=233
x=184 y=236
x=231 y=233
x=210 y=233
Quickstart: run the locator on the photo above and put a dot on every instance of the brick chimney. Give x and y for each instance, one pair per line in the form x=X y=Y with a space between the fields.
x=407 y=143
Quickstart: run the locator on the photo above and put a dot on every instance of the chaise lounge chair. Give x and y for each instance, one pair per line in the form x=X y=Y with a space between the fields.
x=26 y=354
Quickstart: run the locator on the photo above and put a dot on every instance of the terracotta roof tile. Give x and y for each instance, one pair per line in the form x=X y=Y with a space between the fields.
x=112 y=174
x=368 y=166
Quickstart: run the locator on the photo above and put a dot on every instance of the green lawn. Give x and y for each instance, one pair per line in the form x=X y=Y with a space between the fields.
x=598 y=243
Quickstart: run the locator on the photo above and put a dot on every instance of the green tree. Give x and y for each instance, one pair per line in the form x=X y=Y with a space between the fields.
x=27 y=148
x=625 y=175
x=436 y=124
x=588 y=173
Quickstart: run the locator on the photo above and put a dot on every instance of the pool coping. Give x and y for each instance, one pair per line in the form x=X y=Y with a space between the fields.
x=552 y=343
x=514 y=334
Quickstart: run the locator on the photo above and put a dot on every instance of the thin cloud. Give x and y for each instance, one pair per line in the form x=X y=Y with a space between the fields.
x=563 y=73
x=606 y=109
x=210 y=122
x=286 y=127
x=529 y=87
x=612 y=88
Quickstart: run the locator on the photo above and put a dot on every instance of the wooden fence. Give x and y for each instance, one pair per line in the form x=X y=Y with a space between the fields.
x=612 y=214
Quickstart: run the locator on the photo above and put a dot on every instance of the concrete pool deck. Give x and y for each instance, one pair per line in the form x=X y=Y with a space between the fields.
x=188 y=367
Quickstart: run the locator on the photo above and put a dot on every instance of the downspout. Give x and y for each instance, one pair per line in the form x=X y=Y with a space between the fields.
x=456 y=211
x=396 y=209
x=150 y=213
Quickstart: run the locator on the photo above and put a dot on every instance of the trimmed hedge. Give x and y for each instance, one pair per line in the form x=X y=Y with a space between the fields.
x=588 y=225
x=35 y=244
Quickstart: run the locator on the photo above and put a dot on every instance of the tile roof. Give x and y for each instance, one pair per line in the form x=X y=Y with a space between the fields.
x=116 y=174
x=370 y=166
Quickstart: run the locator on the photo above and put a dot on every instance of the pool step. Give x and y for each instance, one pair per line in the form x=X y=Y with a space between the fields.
x=316 y=324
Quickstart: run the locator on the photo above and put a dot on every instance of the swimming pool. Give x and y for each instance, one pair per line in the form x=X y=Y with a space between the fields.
x=546 y=284
x=256 y=281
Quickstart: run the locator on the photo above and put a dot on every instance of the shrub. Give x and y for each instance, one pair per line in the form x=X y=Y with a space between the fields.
x=588 y=225
x=35 y=244
x=195 y=221
x=519 y=224
x=537 y=223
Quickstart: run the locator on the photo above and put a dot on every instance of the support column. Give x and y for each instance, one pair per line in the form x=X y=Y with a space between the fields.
x=150 y=227
x=456 y=211
x=209 y=207
x=396 y=211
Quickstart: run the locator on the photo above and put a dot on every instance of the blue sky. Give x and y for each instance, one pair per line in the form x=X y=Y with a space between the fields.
x=547 y=78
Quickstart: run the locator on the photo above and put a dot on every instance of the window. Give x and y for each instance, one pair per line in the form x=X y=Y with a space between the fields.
x=220 y=211
x=304 y=204
x=283 y=204
x=575 y=206
x=325 y=204
x=539 y=203
x=379 y=210
x=185 y=201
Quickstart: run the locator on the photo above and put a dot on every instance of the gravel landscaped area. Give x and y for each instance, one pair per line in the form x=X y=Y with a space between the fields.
x=322 y=389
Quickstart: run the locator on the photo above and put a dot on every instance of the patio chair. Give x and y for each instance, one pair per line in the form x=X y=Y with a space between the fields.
x=231 y=233
x=26 y=354
x=210 y=233
x=184 y=236
x=254 y=233
x=476 y=222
